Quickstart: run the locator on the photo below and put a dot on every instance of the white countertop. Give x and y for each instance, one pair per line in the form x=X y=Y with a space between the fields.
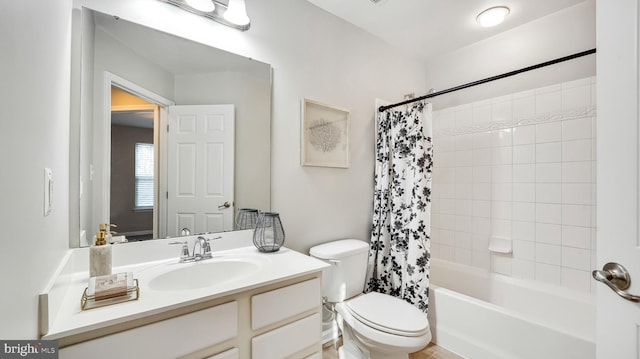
x=67 y=319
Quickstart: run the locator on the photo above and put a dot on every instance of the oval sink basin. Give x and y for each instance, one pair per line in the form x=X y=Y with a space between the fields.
x=204 y=274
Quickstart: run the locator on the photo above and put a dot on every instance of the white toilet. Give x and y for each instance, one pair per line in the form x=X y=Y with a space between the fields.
x=373 y=325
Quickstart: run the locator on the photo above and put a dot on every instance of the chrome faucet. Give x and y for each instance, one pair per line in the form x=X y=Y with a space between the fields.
x=202 y=243
x=205 y=248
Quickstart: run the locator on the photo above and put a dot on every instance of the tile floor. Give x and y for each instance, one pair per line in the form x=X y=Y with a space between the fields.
x=431 y=351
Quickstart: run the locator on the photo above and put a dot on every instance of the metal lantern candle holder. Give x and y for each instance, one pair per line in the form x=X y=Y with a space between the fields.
x=247 y=218
x=269 y=234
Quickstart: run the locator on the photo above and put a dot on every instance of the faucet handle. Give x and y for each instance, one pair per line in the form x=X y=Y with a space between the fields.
x=184 y=251
x=206 y=246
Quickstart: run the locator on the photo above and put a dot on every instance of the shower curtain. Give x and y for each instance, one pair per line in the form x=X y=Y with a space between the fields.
x=399 y=253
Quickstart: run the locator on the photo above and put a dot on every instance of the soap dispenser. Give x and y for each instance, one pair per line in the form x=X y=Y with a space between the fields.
x=100 y=253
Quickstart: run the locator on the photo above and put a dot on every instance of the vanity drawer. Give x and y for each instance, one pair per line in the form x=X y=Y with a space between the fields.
x=289 y=339
x=169 y=338
x=229 y=354
x=280 y=304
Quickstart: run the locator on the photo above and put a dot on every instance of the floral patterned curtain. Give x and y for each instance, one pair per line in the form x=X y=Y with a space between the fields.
x=399 y=253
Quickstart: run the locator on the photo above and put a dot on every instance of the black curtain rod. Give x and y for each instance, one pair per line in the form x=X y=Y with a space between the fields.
x=489 y=79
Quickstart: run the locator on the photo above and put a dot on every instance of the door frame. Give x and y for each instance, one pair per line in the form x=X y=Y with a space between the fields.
x=111 y=79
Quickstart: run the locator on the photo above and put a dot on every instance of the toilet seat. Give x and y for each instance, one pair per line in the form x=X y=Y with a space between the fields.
x=388 y=314
x=383 y=340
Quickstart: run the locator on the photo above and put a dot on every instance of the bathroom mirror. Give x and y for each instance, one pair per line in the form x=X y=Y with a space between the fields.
x=166 y=134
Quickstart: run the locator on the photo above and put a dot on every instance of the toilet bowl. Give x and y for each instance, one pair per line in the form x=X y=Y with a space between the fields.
x=373 y=325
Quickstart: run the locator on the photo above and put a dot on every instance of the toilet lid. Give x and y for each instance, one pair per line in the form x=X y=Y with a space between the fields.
x=388 y=314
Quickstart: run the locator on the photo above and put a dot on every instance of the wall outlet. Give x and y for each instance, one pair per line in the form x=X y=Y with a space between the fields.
x=48 y=191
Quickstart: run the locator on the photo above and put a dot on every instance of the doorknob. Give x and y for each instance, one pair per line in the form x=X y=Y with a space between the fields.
x=224 y=205
x=616 y=277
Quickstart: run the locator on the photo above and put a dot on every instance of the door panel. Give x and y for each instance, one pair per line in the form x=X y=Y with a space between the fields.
x=201 y=168
x=617 y=174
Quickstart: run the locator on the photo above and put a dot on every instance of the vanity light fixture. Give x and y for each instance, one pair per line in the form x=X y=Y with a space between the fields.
x=232 y=14
x=202 y=5
x=492 y=16
x=237 y=12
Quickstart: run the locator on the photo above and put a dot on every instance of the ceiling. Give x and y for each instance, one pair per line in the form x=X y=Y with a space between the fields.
x=428 y=28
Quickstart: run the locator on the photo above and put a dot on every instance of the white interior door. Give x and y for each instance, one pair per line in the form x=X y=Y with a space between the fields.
x=200 y=169
x=618 y=319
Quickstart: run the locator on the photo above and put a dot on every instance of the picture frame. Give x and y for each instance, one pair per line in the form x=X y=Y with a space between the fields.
x=324 y=138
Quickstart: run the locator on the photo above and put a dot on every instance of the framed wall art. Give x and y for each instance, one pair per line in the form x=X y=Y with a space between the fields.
x=325 y=135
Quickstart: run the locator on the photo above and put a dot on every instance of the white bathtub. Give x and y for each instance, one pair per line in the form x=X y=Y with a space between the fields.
x=477 y=314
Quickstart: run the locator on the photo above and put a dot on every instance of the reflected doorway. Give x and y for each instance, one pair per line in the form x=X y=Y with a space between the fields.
x=134 y=165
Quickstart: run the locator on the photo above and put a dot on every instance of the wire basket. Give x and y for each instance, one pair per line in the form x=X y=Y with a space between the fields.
x=247 y=218
x=269 y=234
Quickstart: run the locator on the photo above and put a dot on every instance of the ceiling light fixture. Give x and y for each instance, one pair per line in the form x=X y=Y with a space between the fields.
x=232 y=14
x=492 y=16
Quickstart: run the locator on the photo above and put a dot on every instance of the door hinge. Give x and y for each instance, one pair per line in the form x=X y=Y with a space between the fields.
x=167 y=194
x=167 y=128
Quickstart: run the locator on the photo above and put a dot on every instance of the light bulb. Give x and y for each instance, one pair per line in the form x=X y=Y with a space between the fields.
x=492 y=16
x=237 y=13
x=202 y=5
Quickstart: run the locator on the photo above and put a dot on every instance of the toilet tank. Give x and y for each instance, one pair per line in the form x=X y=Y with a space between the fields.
x=345 y=278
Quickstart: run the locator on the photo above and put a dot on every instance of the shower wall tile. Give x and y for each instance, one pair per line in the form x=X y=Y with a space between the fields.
x=524 y=250
x=548 y=172
x=501 y=110
x=482 y=139
x=549 y=233
x=548 y=193
x=481 y=113
x=521 y=166
x=524 y=211
x=577 y=129
x=462 y=256
x=548 y=273
x=524 y=192
x=523 y=104
x=548 y=152
x=576 y=172
x=481 y=209
x=576 y=279
x=576 y=237
x=524 y=135
x=524 y=154
x=525 y=231
x=549 y=132
x=548 y=99
x=579 y=150
x=524 y=173
x=548 y=254
x=503 y=137
x=548 y=213
x=524 y=269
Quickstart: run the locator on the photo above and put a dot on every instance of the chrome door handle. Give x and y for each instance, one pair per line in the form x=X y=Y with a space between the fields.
x=616 y=277
x=224 y=205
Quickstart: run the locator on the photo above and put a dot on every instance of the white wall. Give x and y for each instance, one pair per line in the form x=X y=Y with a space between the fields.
x=34 y=133
x=557 y=35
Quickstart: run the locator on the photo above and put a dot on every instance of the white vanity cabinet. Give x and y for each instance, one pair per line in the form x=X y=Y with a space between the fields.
x=282 y=319
x=291 y=318
x=170 y=338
